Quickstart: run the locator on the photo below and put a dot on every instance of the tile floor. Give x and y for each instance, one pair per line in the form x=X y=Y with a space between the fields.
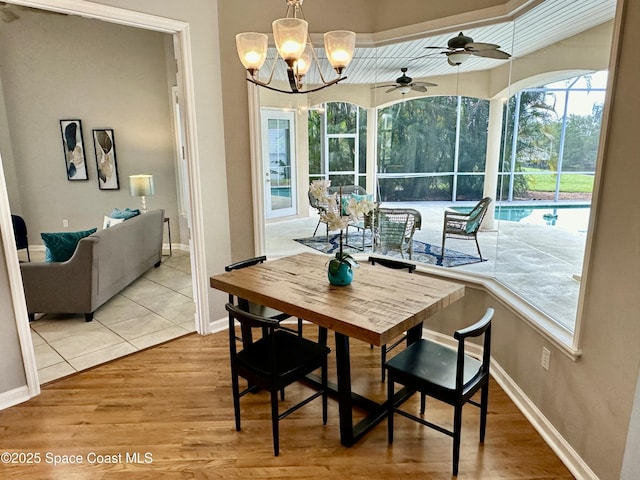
x=155 y=308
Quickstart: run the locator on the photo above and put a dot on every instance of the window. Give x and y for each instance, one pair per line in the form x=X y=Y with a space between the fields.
x=337 y=143
x=422 y=154
x=434 y=148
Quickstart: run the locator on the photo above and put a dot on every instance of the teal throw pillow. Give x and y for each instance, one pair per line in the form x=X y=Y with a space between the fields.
x=124 y=214
x=360 y=198
x=61 y=245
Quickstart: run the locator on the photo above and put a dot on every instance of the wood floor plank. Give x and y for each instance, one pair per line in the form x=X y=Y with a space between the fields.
x=167 y=413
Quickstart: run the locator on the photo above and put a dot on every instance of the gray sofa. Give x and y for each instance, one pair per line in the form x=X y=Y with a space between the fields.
x=102 y=265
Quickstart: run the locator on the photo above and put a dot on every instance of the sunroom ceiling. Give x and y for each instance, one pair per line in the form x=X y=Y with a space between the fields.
x=543 y=25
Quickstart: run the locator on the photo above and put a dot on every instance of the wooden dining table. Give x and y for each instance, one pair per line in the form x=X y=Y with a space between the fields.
x=379 y=306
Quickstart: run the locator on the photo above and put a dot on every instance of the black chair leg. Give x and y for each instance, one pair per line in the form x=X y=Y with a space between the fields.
x=457 y=427
x=324 y=392
x=484 y=404
x=390 y=409
x=236 y=399
x=322 y=335
x=274 y=423
x=383 y=356
x=423 y=403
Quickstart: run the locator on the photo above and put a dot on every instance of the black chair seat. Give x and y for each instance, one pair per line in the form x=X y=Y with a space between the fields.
x=426 y=364
x=295 y=356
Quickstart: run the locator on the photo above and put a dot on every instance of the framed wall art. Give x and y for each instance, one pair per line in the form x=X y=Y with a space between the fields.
x=106 y=159
x=73 y=147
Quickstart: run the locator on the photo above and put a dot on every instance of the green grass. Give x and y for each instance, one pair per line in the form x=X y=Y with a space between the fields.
x=577 y=183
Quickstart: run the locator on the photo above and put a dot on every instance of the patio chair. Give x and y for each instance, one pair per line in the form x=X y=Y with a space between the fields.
x=273 y=362
x=322 y=207
x=394 y=229
x=446 y=374
x=465 y=225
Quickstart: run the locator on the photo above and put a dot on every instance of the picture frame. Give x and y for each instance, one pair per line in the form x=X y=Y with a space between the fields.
x=73 y=148
x=107 y=167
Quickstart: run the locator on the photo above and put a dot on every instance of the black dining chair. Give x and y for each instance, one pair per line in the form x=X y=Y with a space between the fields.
x=449 y=375
x=20 y=234
x=253 y=307
x=273 y=362
x=396 y=265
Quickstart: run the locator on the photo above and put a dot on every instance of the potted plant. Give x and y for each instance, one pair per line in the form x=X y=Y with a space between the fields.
x=337 y=214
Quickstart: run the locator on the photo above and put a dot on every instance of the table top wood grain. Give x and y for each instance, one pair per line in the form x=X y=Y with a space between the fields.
x=378 y=306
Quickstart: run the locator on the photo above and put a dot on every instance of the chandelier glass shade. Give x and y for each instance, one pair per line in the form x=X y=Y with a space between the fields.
x=294 y=46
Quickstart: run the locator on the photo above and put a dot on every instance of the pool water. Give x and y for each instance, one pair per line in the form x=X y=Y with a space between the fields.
x=568 y=217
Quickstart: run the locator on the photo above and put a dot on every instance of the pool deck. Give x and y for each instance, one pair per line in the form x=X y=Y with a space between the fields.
x=541 y=263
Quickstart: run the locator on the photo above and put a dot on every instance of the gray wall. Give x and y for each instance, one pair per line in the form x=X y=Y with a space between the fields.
x=57 y=67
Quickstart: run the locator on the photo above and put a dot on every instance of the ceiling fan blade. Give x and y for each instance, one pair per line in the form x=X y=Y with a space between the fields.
x=382 y=86
x=391 y=89
x=425 y=84
x=418 y=88
x=481 y=46
x=438 y=48
x=498 y=54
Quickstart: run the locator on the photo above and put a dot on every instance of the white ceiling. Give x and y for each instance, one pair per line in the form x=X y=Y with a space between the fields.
x=543 y=25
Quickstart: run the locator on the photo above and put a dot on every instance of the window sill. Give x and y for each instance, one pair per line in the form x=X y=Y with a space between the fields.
x=555 y=333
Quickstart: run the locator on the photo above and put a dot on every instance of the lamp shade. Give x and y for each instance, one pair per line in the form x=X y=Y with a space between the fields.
x=339 y=45
x=141 y=185
x=290 y=36
x=252 y=49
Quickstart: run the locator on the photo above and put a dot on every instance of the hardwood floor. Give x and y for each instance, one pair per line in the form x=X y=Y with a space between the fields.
x=167 y=412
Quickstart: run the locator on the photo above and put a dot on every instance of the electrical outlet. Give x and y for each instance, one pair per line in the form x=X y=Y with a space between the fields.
x=546 y=358
x=65 y=223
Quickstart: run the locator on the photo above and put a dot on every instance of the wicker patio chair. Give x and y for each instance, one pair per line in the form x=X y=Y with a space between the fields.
x=465 y=225
x=394 y=229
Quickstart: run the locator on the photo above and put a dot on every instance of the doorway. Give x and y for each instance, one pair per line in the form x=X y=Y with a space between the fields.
x=179 y=32
x=279 y=165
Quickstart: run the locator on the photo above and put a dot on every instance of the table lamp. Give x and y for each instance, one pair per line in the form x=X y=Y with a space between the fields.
x=140 y=186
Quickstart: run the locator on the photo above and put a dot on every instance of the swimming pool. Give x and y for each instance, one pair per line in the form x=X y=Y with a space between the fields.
x=568 y=217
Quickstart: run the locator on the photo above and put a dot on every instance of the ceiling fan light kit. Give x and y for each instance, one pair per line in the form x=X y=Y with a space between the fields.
x=291 y=36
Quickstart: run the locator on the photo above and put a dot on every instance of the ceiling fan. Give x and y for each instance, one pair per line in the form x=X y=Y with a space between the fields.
x=461 y=47
x=404 y=84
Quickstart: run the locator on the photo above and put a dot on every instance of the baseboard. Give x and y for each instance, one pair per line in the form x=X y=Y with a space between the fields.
x=544 y=427
x=14 y=397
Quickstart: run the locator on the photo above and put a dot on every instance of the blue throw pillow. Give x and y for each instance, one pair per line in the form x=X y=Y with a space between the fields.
x=124 y=214
x=61 y=245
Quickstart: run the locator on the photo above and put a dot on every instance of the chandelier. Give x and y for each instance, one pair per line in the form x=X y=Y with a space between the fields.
x=293 y=42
